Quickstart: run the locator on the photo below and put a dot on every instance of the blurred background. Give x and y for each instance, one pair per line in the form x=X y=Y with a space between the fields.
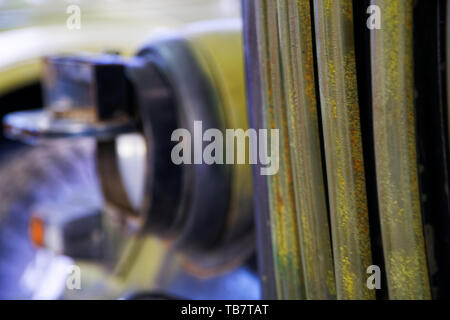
x=60 y=178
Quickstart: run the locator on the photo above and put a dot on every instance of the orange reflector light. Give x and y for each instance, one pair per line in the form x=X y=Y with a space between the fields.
x=37 y=229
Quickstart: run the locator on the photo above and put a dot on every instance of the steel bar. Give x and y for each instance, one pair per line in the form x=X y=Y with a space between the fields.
x=296 y=46
x=261 y=203
x=288 y=263
x=343 y=147
x=363 y=67
x=395 y=152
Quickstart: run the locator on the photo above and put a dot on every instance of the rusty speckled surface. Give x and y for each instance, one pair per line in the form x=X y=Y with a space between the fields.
x=395 y=150
x=286 y=246
x=343 y=147
x=302 y=117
